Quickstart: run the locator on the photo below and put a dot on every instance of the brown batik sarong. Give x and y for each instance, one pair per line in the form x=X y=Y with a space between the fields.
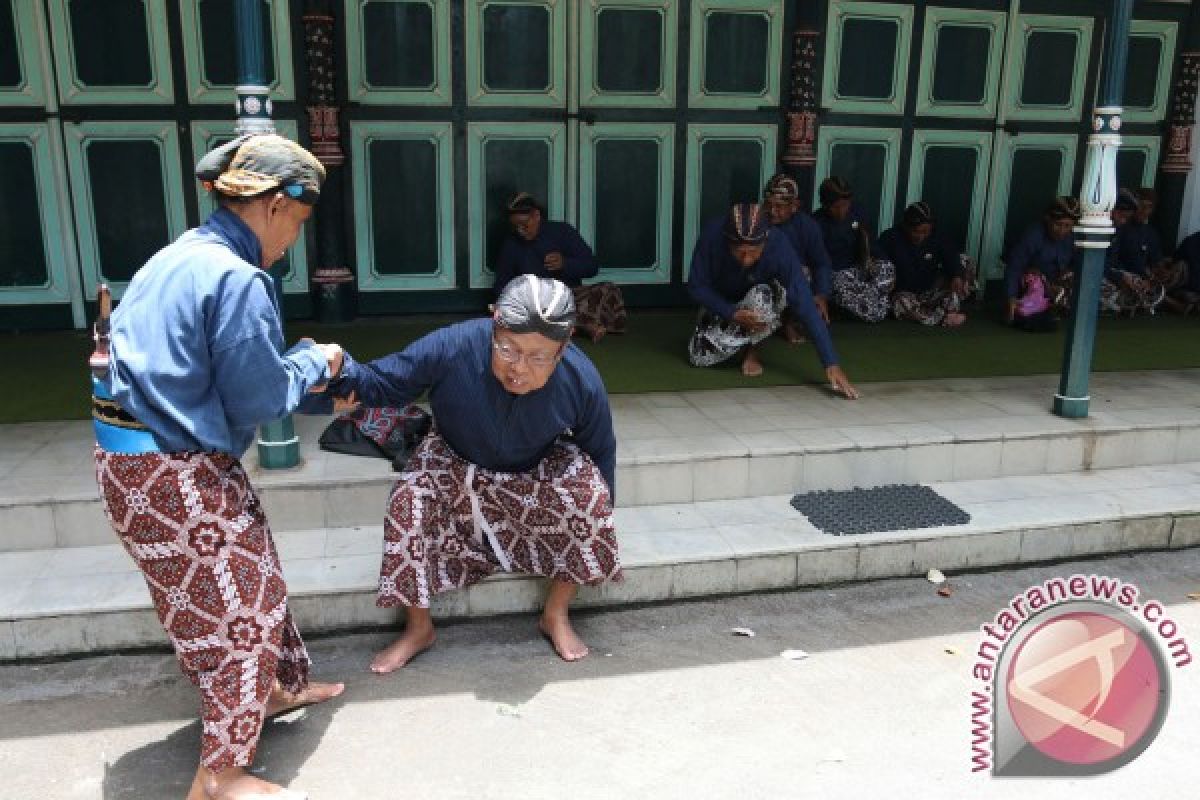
x=932 y=306
x=195 y=527
x=451 y=523
x=600 y=306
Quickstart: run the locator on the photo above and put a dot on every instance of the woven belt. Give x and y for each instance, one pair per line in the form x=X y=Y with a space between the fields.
x=117 y=431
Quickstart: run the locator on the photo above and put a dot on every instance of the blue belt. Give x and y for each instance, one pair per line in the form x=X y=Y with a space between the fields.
x=116 y=430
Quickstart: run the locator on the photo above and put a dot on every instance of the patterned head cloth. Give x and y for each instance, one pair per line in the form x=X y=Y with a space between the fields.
x=747 y=224
x=782 y=186
x=1065 y=207
x=521 y=203
x=254 y=164
x=1126 y=201
x=833 y=189
x=530 y=304
x=919 y=213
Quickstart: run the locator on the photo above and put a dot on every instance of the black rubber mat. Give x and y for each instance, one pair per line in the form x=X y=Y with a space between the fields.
x=899 y=507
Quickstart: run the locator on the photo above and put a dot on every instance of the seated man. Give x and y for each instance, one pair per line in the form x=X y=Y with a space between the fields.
x=862 y=277
x=548 y=249
x=1047 y=247
x=1186 y=297
x=1136 y=276
x=781 y=200
x=932 y=279
x=517 y=474
x=744 y=274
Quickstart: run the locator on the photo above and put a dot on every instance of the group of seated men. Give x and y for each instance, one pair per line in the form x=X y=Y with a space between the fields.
x=770 y=266
x=1138 y=274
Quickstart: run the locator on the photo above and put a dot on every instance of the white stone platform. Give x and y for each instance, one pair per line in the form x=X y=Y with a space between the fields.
x=88 y=599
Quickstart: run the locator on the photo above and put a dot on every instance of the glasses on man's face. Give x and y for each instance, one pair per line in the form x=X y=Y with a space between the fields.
x=511 y=355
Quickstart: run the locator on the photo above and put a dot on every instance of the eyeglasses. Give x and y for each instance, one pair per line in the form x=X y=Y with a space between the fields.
x=511 y=355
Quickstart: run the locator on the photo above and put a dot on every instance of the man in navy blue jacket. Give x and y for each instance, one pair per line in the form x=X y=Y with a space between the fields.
x=518 y=473
x=744 y=274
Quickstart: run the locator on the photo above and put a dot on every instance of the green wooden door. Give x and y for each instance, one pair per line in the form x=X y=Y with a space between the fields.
x=979 y=111
x=576 y=103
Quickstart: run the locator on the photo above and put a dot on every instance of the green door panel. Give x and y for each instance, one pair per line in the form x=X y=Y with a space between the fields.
x=504 y=158
x=209 y=50
x=1029 y=171
x=37 y=244
x=1137 y=161
x=516 y=52
x=868 y=158
x=398 y=51
x=130 y=64
x=403 y=205
x=962 y=57
x=625 y=189
x=1048 y=64
x=139 y=162
x=629 y=49
x=866 y=60
x=726 y=164
x=736 y=47
x=23 y=54
x=949 y=170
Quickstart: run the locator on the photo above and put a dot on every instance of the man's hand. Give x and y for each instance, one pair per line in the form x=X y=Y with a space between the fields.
x=750 y=320
x=822 y=304
x=958 y=286
x=553 y=261
x=1127 y=279
x=333 y=358
x=341 y=405
x=840 y=383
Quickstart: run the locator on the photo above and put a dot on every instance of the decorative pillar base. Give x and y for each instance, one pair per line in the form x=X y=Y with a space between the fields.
x=278 y=445
x=253 y=108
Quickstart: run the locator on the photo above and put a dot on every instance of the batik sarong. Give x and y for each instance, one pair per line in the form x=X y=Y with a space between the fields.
x=864 y=291
x=600 y=306
x=451 y=523
x=716 y=340
x=932 y=306
x=195 y=528
x=1139 y=294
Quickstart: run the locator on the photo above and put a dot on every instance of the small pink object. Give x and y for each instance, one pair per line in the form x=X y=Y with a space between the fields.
x=1033 y=298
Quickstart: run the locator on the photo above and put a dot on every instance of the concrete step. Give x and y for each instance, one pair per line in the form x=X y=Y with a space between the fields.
x=691 y=447
x=87 y=599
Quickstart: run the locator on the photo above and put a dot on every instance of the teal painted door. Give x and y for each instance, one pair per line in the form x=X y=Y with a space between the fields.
x=579 y=104
x=98 y=171
x=980 y=112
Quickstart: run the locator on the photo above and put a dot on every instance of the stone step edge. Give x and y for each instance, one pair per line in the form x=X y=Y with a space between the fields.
x=345 y=609
x=280 y=480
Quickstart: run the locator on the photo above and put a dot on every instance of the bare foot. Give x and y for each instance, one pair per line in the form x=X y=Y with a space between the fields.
x=281 y=701
x=751 y=366
x=414 y=641
x=598 y=333
x=235 y=784
x=954 y=320
x=566 y=642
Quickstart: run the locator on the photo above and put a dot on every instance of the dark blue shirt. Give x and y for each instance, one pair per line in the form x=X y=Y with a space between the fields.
x=1054 y=257
x=1135 y=248
x=197 y=345
x=1189 y=251
x=843 y=238
x=919 y=266
x=718 y=282
x=805 y=237
x=481 y=420
x=520 y=257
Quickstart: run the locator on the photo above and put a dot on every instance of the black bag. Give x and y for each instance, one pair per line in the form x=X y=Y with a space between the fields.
x=388 y=432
